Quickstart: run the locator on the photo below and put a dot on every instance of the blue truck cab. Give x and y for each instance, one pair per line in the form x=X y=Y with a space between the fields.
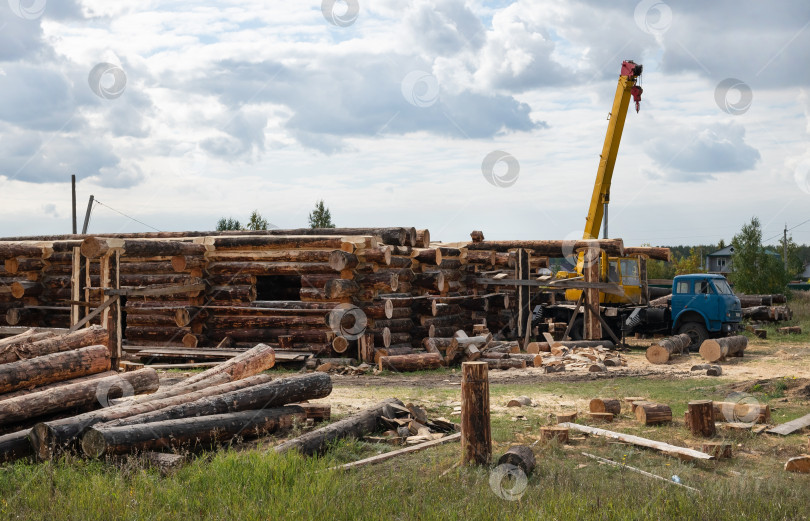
x=704 y=306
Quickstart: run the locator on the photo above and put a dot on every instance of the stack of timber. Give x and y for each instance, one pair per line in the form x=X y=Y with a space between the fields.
x=49 y=374
x=765 y=308
x=110 y=414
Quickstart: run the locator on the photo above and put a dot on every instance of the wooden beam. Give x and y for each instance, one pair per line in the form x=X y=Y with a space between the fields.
x=153 y=291
x=524 y=314
x=593 y=327
x=573 y=317
x=93 y=314
x=791 y=426
x=681 y=452
x=607 y=327
x=394 y=453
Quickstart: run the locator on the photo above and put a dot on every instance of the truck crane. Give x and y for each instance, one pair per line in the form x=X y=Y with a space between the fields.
x=702 y=305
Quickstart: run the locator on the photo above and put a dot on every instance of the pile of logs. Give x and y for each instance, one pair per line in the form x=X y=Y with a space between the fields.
x=103 y=413
x=765 y=308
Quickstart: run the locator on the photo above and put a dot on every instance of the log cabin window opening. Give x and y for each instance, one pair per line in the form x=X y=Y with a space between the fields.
x=278 y=287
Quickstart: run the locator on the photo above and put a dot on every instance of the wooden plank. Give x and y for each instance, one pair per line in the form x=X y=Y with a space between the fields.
x=524 y=314
x=394 y=453
x=666 y=448
x=791 y=426
x=93 y=314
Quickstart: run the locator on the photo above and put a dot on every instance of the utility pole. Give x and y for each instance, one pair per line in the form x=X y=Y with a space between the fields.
x=73 y=191
x=784 y=248
x=87 y=215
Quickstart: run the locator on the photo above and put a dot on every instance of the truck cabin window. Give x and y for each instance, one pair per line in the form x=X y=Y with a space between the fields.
x=613 y=271
x=630 y=273
x=703 y=287
x=682 y=287
x=722 y=287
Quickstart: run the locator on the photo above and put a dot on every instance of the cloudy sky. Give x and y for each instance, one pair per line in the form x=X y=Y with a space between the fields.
x=443 y=114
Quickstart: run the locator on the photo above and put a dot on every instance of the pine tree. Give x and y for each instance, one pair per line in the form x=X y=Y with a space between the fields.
x=257 y=222
x=228 y=224
x=320 y=217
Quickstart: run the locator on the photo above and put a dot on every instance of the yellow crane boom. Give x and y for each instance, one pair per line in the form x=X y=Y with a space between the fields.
x=626 y=89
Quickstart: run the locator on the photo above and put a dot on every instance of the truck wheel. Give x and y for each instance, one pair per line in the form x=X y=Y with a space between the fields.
x=696 y=331
x=578 y=329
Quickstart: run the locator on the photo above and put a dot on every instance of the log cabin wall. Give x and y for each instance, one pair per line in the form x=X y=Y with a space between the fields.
x=292 y=289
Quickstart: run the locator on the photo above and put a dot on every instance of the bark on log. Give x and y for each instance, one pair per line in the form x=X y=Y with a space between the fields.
x=355 y=426
x=662 y=254
x=504 y=364
x=270 y=394
x=520 y=456
x=601 y=405
x=653 y=413
x=15 y=445
x=422 y=238
x=340 y=288
x=340 y=260
x=714 y=349
x=414 y=362
x=476 y=434
x=270 y=242
x=701 y=418
x=269 y=268
x=76 y=395
x=25 y=289
x=613 y=247
x=190 y=433
x=94 y=247
x=249 y=363
x=56 y=385
x=48 y=437
x=54 y=368
x=664 y=349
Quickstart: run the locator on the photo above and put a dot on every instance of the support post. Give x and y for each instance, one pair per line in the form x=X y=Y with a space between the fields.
x=113 y=263
x=476 y=435
x=76 y=286
x=524 y=300
x=645 y=286
x=87 y=215
x=73 y=198
x=593 y=327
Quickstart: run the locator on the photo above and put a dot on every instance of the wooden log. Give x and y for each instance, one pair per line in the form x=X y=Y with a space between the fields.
x=270 y=394
x=340 y=288
x=355 y=426
x=16 y=265
x=565 y=417
x=606 y=405
x=317 y=412
x=340 y=260
x=665 y=348
x=53 y=368
x=231 y=293
x=268 y=268
x=701 y=418
x=556 y=249
x=249 y=363
x=19 y=249
x=412 y=362
x=14 y=446
x=190 y=433
x=270 y=242
x=265 y=322
x=48 y=437
x=656 y=253
x=25 y=289
x=742 y=412
x=555 y=433
x=798 y=464
x=520 y=456
x=715 y=349
x=476 y=435
x=340 y=344
x=78 y=395
x=606 y=417
x=94 y=247
x=422 y=239
x=56 y=385
x=718 y=450
x=653 y=413
x=505 y=364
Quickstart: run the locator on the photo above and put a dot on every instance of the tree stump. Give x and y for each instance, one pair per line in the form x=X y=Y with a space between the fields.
x=718 y=450
x=554 y=433
x=476 y=435
x=601 y=405
x=565 y=417
x=701 y=418
x=520 y=456
x=653 y=413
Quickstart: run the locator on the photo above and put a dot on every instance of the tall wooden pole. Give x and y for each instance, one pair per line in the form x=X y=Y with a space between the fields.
x=73 y=197
x=524 y=302
x=476 y=435
x=593 y=328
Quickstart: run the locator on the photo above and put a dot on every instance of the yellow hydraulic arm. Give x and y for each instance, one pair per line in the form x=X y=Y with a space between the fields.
x=601 y=190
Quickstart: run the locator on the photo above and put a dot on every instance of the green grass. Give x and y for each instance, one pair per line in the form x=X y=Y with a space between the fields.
x=256 y=484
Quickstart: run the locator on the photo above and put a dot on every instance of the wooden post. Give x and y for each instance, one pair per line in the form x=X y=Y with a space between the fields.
x=593 y=327
x=76 y=284
x=524 y=321
x=110 y=271
x=87 y=285
x=645 y=287
x=476 y=436
x=701 y=418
